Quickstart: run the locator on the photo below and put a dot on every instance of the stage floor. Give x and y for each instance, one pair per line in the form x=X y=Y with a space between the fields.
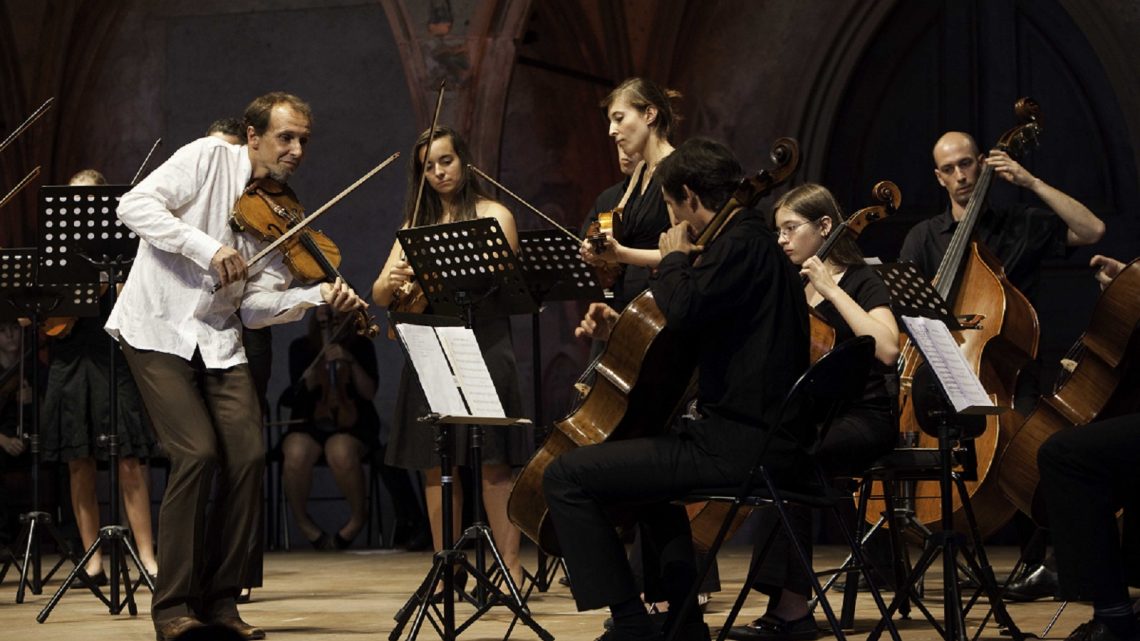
x=353 y=595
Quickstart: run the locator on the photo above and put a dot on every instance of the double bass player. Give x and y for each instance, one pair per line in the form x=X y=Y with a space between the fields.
x=1021 y=237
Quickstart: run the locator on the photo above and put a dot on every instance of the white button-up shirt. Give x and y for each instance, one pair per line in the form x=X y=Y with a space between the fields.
x=181 y=213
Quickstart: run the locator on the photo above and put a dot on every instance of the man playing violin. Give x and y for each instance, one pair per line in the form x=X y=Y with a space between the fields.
x=183 y=345
x=743 y=304
x=1021 y=237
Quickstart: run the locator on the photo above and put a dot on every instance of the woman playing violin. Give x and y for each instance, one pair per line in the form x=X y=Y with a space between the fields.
x=854 y=301
x=641 y=119
x=451 y=194
x=339 y=420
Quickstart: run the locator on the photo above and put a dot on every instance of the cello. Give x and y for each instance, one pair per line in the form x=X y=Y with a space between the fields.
x=641 y=377
x=1099 y=381
x=972 y=280
x=888 y=194
x=705 y=518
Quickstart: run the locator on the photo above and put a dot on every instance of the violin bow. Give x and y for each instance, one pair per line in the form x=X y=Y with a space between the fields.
x=27 y=123
x=296 y=229
x=138 y=174
x=19 y=186
x=523 y=202
x=427 y=150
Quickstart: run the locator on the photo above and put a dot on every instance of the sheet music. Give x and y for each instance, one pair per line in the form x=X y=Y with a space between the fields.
x=474 y=379
x=942 y=352
x=432 y=368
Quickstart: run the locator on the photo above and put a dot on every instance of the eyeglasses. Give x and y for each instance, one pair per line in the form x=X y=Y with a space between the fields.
x=787 y=230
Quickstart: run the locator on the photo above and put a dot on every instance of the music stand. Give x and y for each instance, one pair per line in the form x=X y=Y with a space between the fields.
x=80 y=236
x=463 y=267
x=456 y=382
x=554 y=271
x=467 y=266
x=954 y=398
x=20 y=287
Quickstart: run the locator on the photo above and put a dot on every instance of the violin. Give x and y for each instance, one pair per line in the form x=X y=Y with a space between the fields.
x=606 y=224
x=335 y=406
x=268 y=210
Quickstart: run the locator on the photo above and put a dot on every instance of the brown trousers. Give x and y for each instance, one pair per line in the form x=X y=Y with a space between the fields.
x=209 y=423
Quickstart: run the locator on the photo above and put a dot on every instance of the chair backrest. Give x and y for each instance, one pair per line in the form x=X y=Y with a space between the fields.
x=831 y=383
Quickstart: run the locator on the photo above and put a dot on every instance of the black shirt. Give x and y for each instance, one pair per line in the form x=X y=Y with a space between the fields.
x=643 y=219
x=744 y=304
x=1020 y=236
x=866 y=288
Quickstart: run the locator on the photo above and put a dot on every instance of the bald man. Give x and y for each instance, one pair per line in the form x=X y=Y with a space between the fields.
x=1020 y=236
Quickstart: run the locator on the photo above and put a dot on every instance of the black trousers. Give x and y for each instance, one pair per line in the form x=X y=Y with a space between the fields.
x=209 y=423
x=854 y=441
x=641 y=476
x=1087 y=474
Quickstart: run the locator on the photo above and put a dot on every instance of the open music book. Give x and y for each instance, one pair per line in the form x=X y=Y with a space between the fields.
x=962 y=387
x=451 y=370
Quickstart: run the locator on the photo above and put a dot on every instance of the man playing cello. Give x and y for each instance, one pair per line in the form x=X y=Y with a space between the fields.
x=743 y=305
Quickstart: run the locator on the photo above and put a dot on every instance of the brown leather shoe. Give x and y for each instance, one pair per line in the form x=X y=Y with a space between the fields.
x=246 y=630
x=173 y=628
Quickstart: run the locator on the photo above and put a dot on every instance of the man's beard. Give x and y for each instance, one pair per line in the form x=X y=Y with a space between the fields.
x=281 y=174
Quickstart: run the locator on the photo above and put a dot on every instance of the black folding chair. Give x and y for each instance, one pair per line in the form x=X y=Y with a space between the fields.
x=819 y=395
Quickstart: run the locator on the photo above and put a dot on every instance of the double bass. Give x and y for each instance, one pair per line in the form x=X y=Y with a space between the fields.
x=642 y=375
x=972 y=280
x=1099 y=381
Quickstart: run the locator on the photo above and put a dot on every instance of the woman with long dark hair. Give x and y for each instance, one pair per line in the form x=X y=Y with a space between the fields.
x=451 y=194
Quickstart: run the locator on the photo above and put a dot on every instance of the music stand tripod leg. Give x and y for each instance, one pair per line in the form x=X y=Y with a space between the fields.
x=115 y=536
x=80 y=572
x=487 y=593
x=980 y=564
x=442 y=569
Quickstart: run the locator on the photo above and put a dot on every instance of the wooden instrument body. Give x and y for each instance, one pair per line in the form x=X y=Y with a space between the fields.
x=642 y=377
x=998 y=350
x=822 y=335
x=640 y=385
x=1102 y=384
x=972 y=280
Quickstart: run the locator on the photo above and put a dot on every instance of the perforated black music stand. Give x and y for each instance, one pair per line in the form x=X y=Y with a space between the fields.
x=912 y=296
x=466 y=268
x=26 y=298
x=554 y=271
x=80 y=236
x=444 y=563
